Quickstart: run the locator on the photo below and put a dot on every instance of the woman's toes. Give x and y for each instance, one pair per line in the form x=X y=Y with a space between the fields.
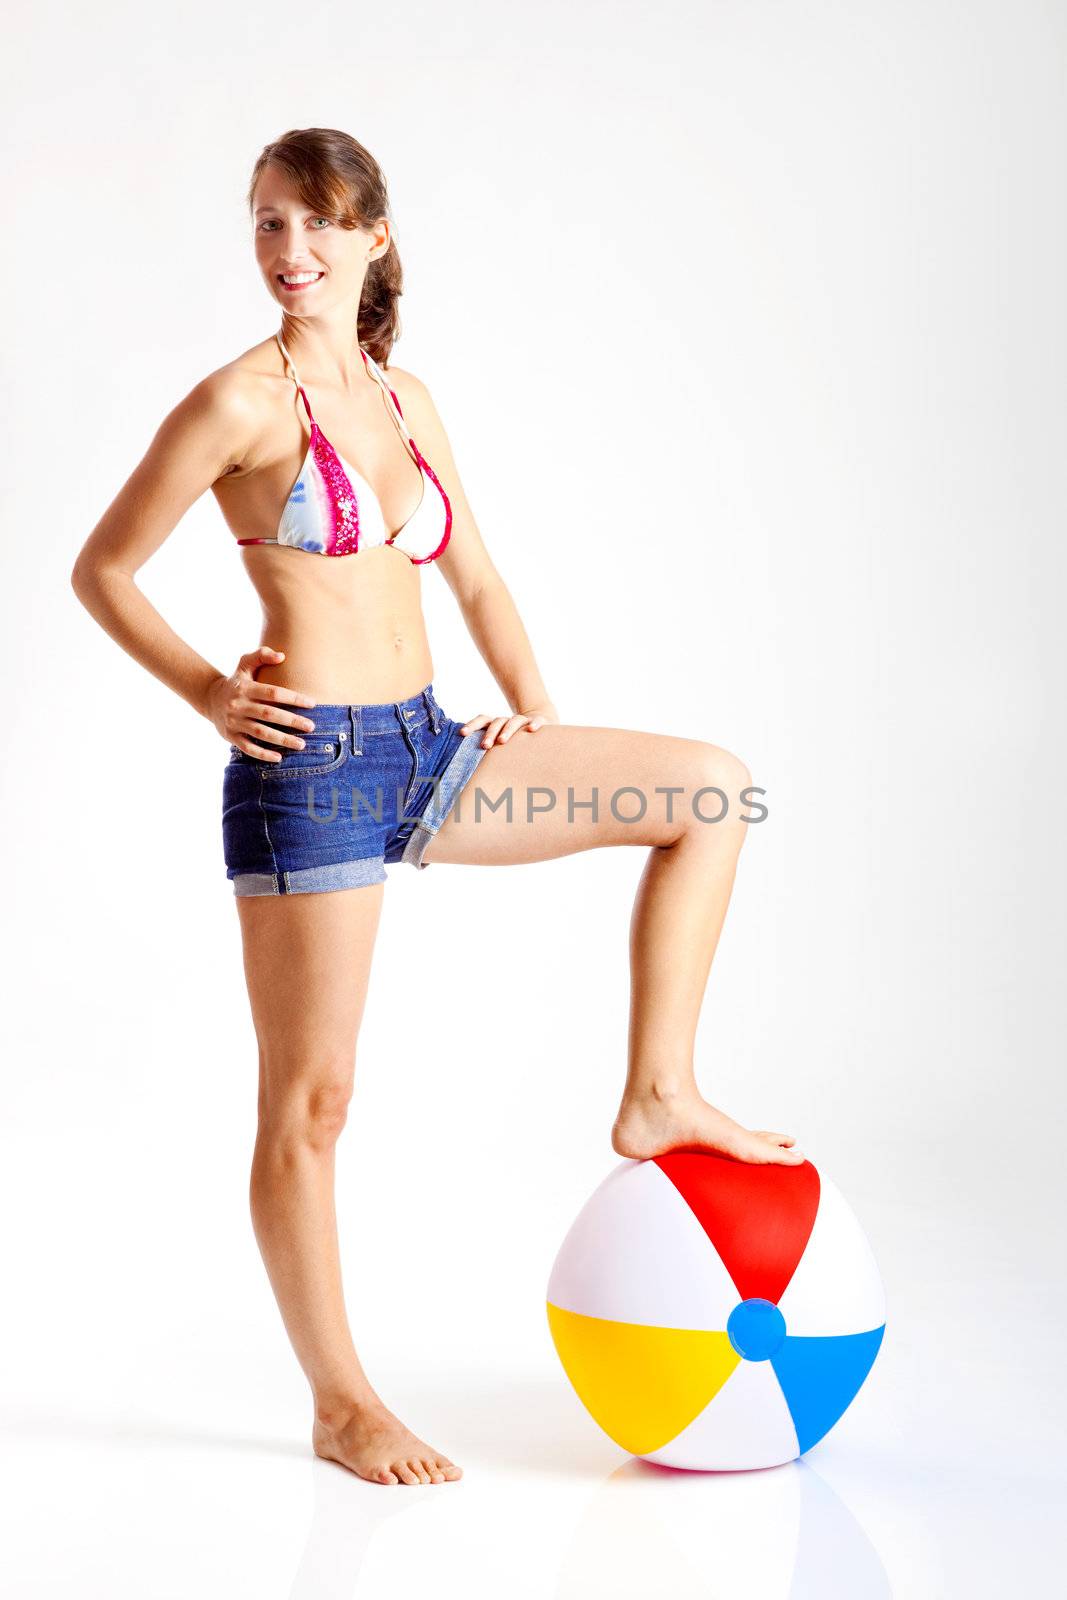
x=385 y=1476
x=785 y=1144
x=404 y=1471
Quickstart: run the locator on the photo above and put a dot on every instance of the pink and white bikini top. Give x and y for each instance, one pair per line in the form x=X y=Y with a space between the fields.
x=332 y=511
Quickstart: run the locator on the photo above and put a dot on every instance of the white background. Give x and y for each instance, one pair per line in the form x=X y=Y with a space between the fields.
x=747 y=325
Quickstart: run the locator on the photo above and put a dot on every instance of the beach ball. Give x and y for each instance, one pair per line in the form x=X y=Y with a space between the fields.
x=716 y=1314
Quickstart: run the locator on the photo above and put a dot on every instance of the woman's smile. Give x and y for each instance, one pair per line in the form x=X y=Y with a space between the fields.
x=293 y=282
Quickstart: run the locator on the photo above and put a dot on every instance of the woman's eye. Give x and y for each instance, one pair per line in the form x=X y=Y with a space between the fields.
x=272 y=223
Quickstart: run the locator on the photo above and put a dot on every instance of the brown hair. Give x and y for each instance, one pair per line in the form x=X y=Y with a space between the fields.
x=335 y=175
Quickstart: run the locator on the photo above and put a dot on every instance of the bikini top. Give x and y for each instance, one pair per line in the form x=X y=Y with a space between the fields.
x=332 y=511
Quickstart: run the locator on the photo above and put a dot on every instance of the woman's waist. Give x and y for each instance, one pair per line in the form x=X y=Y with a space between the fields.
x=348 y=671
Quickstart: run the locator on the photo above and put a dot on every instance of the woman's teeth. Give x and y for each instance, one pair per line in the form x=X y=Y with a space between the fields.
x=298 y=280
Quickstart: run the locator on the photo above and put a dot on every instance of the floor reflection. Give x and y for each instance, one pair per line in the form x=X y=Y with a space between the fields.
x=536 y=1480
x=347 y=1516
x=781 y=1534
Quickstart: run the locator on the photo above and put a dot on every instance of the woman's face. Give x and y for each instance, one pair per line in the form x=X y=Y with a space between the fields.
x=329 y=262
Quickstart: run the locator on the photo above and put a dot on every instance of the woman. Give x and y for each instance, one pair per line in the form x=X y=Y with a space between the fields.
x=342 y=759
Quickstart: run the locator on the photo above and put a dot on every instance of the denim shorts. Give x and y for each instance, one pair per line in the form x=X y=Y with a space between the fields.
x=372 y=784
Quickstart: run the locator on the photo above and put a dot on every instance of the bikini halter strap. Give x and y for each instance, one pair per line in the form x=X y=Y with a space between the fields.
x=390 y=398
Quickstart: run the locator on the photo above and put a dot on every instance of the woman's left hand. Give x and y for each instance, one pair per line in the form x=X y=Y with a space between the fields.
x=500 y=729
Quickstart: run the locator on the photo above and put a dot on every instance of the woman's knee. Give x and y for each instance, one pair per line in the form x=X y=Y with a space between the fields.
x=310 y=1107
x=720 y=781
x=327 y=1109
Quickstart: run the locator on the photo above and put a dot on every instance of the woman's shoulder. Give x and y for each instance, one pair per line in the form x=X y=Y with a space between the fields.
x=232 y=403
x=415 y=399
x=251 y=376
x=237 y=397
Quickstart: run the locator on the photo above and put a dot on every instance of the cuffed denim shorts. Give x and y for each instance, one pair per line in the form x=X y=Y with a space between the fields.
x=373 y=784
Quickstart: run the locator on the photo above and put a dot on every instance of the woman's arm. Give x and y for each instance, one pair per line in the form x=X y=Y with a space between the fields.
x=204 y=435
x=483 y=597
x=494 y=624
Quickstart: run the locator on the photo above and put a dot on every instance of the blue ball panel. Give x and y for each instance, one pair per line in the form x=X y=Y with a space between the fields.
x=821 y=1377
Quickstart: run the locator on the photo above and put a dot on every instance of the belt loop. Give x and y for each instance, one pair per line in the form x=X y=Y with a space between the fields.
x=431 y=710
x=356 y=715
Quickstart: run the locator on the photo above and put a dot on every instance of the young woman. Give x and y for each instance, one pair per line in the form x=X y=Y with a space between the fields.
x=339 y=484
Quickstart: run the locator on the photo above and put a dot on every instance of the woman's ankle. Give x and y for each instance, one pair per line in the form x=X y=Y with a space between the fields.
x=333 y=1408
x=661 y=1088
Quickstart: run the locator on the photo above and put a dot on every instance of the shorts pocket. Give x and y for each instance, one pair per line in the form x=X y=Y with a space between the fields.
x=319 y=757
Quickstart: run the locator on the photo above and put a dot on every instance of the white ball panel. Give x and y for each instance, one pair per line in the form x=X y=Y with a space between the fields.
x=836 y=1287
x=746 y=1425
x=668 y=1275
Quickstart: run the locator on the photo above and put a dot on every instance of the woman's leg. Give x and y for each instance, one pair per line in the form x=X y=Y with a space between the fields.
x=681 y=901
x=307 y=961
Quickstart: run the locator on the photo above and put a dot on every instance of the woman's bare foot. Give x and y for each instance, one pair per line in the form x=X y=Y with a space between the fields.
x=650 y=1125
x=367 y=1438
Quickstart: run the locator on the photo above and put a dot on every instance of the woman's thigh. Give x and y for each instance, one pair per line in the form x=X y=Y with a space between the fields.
x=562 y=789
x=307 y=961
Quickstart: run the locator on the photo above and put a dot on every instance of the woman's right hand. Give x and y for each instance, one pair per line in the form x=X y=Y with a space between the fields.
x=236 y=704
